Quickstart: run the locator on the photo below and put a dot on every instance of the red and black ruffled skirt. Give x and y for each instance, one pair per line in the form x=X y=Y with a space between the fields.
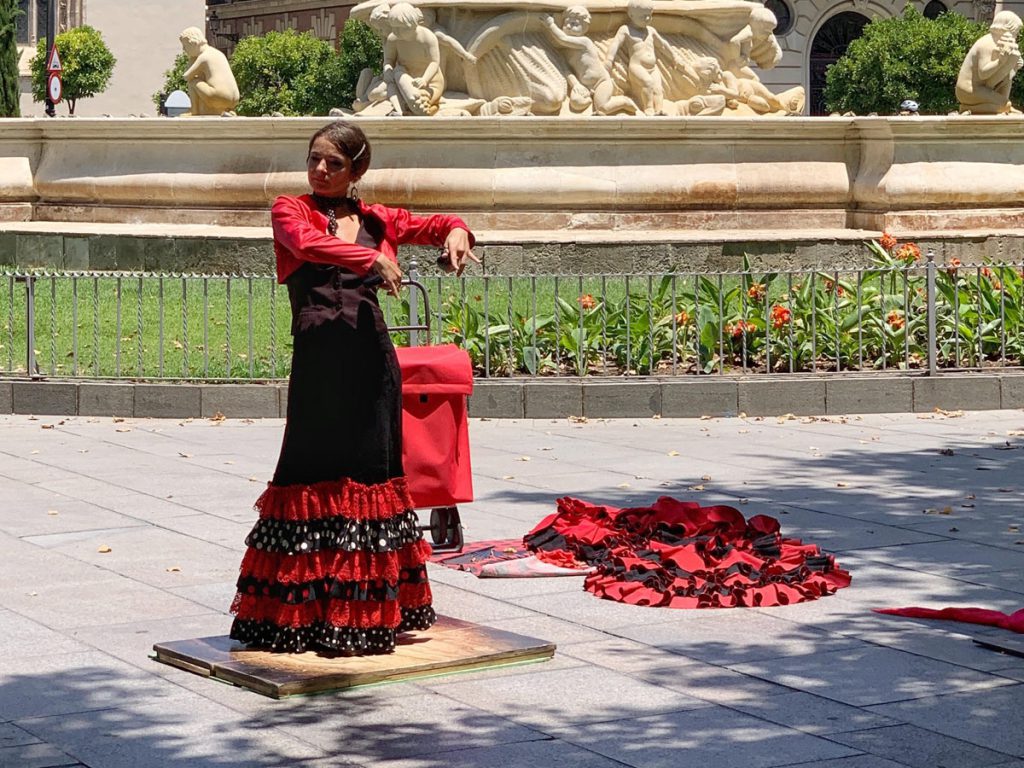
x=336 y=561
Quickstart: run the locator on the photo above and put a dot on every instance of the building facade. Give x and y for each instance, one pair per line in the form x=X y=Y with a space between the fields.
x=142 y=35
x=230 y=20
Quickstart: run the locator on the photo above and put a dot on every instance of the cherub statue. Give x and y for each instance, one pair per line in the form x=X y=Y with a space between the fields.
x=983 y=83
x=211 y=85
x=412 y=61
x=640 y=41
x=374 y=95
x=590 y=82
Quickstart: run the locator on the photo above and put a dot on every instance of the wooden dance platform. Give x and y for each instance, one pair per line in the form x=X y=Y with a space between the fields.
x=451 y=645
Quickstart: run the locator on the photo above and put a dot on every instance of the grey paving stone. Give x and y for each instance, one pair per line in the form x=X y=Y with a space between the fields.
x=380 y=727
x=712 y=736
x=892 y=394
x=251 y=401
x=609 y=400
x=691 y=399
x=497 y=400
x=865 y=676
x=34 y=756
x=174 y=401
x=993 y=719
x=13 y=736
x=1011 y=391
x=178 y=729
x=543 y=400
x=45 y=397
x=812 y=714
x=95 y=399
x=547 y=752
x=779 y=396
x=920 y=748
x=61 y=515
x=951 y=392
x=582 y=696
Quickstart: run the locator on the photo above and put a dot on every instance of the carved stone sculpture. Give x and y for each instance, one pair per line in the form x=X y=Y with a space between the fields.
x=556 y=57
x=211 y=84
x=984 y=81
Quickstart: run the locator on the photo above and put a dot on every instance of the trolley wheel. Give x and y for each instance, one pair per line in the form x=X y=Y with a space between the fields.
x=446 y=529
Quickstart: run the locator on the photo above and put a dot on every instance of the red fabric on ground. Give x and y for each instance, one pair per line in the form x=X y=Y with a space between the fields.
x=1011 y=621
x=678 y=554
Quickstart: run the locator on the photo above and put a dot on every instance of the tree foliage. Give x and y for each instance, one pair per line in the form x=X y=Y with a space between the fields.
x=904 y=57
x=360 y=49
x=10 y=92
x=284 y=72
x=87 y=61
x=174 y=78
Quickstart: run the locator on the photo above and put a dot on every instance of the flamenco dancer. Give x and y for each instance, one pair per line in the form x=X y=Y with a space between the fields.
x=336 y=562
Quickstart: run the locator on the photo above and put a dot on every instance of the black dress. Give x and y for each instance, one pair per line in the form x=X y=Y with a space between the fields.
x=336 y=560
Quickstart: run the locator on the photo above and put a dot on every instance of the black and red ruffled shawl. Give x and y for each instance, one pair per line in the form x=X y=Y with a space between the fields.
x=678 y=554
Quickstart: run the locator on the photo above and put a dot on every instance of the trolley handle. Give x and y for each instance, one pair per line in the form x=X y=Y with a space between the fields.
x=414 y=319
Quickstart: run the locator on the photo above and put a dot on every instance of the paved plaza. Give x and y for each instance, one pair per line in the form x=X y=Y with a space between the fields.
x=116 y=534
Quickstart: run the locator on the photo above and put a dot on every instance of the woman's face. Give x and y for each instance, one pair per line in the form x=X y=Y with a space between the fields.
x=328 y=169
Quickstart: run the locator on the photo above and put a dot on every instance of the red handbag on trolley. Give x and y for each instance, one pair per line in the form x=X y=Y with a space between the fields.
x=436 y=380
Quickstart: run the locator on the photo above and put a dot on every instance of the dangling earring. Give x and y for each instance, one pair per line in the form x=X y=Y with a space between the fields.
x=353 y=193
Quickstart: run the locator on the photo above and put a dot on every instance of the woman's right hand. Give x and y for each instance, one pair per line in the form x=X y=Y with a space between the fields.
x=390 y=274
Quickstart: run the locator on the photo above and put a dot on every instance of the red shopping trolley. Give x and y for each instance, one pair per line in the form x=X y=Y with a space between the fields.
x=436 y=380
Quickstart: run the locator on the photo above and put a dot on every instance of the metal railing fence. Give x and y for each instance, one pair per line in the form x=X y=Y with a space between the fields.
x=915 y=316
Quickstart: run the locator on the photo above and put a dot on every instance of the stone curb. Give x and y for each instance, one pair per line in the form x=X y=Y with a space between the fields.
x=549 y=399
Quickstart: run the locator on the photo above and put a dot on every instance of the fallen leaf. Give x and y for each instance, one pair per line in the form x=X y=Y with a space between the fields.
x=743 y=431
x=229 y=462
x=946 y=451
x=218 y=416
x=696 y=488
x=743 y=414
x=46 y=426
x=33 y=418
x=946 y=511
x=523 y=458
x=1015 y=433
x=954 y=529
x=1013 y=527
x=255 y=479
x=509 y=550
x=968 y=505
x=744 y=501
x=123 y=429
x=1005 y=490
x=546 y=449
x=842 y=485
x=118 y=419
x=705 y=418
x=33 y=452
x=185 y=455
x=578 y=419
x=673 y=453
x=970 y=496
x=173 y=569
x=508 y=477
x=52 y=512
x=706 y=478
x=786 y=417
x=83 y=450
x=622 y=485
x=656 y=416
x=104 y=549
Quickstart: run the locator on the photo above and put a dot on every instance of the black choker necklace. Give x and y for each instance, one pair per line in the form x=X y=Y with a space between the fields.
x=329 y=205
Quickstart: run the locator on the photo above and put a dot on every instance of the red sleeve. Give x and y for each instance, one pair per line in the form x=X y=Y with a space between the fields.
x=424 y=230
x=294 y=231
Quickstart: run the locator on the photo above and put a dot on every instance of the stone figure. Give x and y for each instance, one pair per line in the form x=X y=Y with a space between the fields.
x=641 y=42
x=412 y=61
x=983 y=83
x=211 y=84
x=590 y=83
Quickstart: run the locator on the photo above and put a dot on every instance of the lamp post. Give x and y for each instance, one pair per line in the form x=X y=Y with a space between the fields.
x=51 y=37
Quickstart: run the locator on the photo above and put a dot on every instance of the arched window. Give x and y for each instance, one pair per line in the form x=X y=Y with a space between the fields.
x=783 y=14
x=934 y=9
x=828 y=47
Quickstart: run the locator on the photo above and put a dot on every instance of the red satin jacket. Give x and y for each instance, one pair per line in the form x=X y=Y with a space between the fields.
x=300 y=235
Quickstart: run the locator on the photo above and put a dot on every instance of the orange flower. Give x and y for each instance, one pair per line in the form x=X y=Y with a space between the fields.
x=895 y=319
x=780 y=316
x=740 y=327
x=830 y=285
x=986 y=272
x=953 y=266
x=587 y=301
x=996 y=285
x=756 y=292
x=888 y=241
x=908 y=252
x=683 y=318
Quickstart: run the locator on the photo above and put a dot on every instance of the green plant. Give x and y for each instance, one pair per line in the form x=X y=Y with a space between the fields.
x=360 y=48
x=174 y=79
x=10 y=93
x=286 y=72
x=88 y=65
x=904 y=57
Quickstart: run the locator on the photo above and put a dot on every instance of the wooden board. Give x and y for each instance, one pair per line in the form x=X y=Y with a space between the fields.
x=451 y=645
x=1011 y=644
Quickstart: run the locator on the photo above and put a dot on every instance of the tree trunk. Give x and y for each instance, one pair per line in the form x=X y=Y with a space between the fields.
x=10 y=91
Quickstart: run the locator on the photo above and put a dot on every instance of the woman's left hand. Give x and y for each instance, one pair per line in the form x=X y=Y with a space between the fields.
x=457 y=251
